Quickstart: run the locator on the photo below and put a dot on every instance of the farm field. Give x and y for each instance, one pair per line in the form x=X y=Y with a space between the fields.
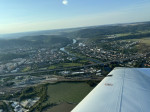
x=68 y=92
x=143 y=40
x=66 y=95
x=64 y=107
x=65 y=65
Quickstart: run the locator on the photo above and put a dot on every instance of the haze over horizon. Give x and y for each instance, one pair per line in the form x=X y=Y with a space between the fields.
x=31 y=15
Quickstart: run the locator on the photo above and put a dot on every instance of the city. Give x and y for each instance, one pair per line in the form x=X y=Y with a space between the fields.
x=79 y=60
x=74 y=55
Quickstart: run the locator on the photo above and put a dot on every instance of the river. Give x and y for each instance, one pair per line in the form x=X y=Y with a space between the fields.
x=74 y=41
x=63 y=48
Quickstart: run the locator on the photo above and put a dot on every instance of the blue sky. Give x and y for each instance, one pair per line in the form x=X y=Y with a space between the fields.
x=32 y=15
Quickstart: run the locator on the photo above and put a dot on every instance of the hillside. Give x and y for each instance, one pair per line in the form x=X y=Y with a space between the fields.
x=103 y=31
x=35 y=41
x=97 y=33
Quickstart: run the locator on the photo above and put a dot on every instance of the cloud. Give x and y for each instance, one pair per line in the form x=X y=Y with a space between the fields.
x=65 y=2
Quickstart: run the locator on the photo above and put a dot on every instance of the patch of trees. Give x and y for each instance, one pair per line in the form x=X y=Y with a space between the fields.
x=26 y=93
x=41 y=104
x=44 y=106
x=3 y=106
x=47 y=40
x=92 y=83
x=6 y=97
x=10 y=56
x=9 y=84
x=29 y=95
x=35 y=41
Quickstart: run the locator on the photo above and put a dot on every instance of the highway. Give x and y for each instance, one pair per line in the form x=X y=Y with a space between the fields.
x=61 y=69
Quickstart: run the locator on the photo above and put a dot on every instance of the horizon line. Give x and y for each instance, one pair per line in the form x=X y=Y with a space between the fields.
x=74 y=27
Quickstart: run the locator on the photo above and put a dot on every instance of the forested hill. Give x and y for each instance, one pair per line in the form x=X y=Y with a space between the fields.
x=35 y=41
x=47 y=39
x=101 y=31
x=129 y=31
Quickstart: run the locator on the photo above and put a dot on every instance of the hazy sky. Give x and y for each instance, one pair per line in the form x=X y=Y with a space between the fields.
x=31 y=15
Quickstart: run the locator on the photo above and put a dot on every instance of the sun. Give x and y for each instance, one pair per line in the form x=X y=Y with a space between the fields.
x=65 y=2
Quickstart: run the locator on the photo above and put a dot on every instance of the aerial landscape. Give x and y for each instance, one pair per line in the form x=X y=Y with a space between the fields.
x=44 y=70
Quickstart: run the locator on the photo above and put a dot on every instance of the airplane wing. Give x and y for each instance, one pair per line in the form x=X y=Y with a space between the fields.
x=123 y=90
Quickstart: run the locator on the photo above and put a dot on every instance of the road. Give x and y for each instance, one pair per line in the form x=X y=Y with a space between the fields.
x=61 y=69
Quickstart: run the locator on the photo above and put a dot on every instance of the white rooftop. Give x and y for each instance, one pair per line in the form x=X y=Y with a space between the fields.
x=123 y=90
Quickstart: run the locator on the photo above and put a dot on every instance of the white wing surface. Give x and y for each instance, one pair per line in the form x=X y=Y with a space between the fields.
x=123 y=90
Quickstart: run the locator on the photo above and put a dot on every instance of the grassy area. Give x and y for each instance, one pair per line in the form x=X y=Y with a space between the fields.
x=84 y=61
x=64 y=65
x=123 y=34
x=26 y=69
x=127 y=34
x=146 y=31
x=63 y=95
x=67 y=92
x=71 y=64
x=64 y=107
x=53 y=67
x=143 y=40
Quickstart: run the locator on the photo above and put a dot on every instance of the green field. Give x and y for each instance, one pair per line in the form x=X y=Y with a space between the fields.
x=67 y=92
x=56 y=96
x=64 y=107
x=64 y=65
x=26 y=69
x=144 y=31
x=123 y=34
x=143 y=40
